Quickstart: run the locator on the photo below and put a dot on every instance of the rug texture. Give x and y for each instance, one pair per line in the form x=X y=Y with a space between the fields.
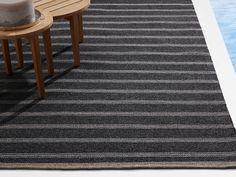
x=145 y=96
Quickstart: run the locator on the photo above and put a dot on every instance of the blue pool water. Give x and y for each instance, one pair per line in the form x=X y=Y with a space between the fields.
x=225 y=12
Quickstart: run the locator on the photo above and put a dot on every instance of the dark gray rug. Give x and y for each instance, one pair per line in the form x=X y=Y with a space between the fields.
x=146 y=96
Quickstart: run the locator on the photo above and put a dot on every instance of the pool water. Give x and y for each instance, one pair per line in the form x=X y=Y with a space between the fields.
x=225 y=12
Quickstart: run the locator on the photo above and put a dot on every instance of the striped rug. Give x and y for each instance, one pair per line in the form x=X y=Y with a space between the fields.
x=145 y=96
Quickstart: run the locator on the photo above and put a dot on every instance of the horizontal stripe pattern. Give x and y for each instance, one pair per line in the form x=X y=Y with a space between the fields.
x=121 y=165
x=119 y=114
x=137 y=63
x=117 y=140
x=112 y=126
x=117 y=155
x=146 y=95
x=145 y=22
x=123 y=91
x=140 y=10
x=116 y=81
x=114 y=102
x=136 y=71
x=141 y=4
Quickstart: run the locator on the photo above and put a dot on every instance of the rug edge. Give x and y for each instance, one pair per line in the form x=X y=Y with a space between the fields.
x=126 y=165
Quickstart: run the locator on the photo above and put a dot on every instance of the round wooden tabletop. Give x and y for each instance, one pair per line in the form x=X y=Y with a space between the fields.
x=43 y=24
x=62 y=8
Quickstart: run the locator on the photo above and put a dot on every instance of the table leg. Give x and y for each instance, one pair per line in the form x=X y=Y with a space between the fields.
x=19 y=53
x=48 y=50
x=81 y=30
x=6 y=56
x=74 y=27
x=34 y=44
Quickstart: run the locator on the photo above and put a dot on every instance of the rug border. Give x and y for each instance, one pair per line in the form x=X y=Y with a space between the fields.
x=124 y=165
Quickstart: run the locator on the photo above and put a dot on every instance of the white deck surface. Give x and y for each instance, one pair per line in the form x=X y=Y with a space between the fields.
x=219 y=53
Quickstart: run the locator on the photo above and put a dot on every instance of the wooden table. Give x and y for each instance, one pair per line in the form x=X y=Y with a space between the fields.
x=31 y=33
x=71 y=10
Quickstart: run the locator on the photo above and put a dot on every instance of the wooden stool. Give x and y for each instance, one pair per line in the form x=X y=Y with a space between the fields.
x=31 y=33
x=71 y=10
